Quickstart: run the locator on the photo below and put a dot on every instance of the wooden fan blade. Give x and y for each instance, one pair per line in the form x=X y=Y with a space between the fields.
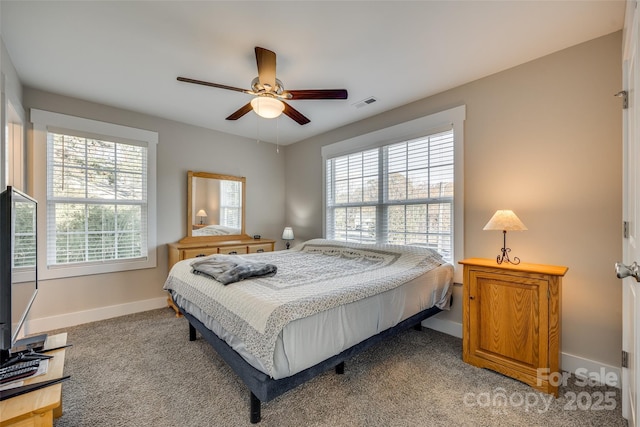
x=200 y=82
x=266 y=61
x=240 y=112
x=295 y=114
x=317 y=94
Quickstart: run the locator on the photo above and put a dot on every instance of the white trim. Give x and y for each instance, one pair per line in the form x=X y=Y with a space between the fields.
x=583 y=368
x=44 y=324
x=578 y=365
x=95 y=127
x=400 y=132
x=42 y=121
x=448 y=327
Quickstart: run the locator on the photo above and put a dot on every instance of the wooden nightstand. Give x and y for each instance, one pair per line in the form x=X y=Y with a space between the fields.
x=511 y=320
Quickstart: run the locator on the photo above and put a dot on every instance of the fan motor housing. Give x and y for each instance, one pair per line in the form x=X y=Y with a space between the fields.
x=258 y=88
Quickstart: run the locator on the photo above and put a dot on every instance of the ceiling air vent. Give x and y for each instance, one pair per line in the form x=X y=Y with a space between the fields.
x=364 y=102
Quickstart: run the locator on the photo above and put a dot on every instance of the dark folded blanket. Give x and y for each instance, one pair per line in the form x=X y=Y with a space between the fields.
x=231 y=268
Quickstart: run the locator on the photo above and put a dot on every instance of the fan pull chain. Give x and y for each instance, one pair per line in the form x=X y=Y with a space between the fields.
x=257 y=129
x=278 y=135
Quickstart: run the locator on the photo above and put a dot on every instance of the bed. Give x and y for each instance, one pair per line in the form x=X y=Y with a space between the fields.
x=215 y=230
x=328 y=301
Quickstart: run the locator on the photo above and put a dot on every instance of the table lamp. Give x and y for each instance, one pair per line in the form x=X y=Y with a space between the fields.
x=202 y=214
x=287 y=235
x=505 y=220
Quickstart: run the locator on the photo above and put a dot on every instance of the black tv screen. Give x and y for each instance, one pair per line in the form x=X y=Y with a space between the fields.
x=18 y=261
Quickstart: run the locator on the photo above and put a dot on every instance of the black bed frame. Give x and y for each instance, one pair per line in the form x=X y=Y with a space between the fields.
x=263 y=388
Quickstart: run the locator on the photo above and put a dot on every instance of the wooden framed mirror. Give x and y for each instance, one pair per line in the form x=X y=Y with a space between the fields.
x=215 y=207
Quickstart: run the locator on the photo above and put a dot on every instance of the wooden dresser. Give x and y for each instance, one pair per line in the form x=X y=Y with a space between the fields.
x=186 y=249
x=511 y=320
x=179 y=251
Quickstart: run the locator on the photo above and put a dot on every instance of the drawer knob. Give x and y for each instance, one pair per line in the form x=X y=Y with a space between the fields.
x=199 y=255
x=260 y=250
x=233 y=253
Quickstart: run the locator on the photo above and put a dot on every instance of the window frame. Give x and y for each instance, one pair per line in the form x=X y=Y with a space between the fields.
x=45 y=122
x=448 y=119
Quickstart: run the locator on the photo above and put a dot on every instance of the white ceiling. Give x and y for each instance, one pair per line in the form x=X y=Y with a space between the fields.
x=128 y=54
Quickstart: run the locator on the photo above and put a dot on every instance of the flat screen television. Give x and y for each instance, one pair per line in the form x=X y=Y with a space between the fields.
x=18 y=266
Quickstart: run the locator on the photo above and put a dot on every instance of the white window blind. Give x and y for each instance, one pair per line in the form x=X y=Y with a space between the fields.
x=230 y=203
x=401 y=193
x=97 y=200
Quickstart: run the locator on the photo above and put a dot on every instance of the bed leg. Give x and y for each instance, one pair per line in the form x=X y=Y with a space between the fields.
x=254 y=415
x=192 y=333
x=340 y=368
x=418 y=326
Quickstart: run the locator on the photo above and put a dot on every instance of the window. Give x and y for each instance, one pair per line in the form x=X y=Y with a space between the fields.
x=96 y=200
x=99 y=189
x=231 y=203
x=399 y=185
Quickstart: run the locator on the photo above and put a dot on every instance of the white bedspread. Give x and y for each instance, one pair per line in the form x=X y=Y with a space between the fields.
x=313 y=277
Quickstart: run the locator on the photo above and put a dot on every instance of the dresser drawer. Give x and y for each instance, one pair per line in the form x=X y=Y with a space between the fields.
x=233 y=250
x=264 y=247
x=198 y=252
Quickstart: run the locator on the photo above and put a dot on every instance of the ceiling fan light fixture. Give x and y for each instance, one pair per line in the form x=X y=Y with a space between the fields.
x=267 y=107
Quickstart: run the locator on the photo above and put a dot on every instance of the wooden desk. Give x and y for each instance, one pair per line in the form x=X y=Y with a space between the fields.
x=40 y=407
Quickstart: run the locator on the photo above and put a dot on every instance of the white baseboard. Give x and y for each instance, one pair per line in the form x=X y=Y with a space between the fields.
x=584 y=369
x=43 y=324
x=448 y=327
x=592 y=370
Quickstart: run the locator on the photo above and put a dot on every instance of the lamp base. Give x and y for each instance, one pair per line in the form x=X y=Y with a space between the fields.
x=288 y=244
x=505 y=252
x=505 y=257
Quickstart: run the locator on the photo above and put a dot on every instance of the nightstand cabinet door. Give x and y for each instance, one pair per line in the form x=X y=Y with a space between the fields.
x=511 y=320
x=510 y=317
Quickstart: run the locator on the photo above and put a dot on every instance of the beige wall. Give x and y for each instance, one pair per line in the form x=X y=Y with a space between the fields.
x=181 y=148
x=543 y=139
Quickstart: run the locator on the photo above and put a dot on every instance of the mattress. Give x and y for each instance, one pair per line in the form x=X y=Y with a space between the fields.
x=309 y=339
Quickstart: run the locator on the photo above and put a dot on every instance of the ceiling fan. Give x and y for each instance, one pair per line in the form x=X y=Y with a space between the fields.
x=269 y=93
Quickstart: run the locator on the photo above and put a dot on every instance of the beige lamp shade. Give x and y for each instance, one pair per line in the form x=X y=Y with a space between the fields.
x=201 y=212
x=505 y=220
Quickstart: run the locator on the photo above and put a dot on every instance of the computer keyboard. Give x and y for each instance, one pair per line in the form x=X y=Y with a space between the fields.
x=18 y=370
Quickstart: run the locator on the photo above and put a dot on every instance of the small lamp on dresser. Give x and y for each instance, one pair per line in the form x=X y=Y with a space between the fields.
x=287 y=235
x=202 y=214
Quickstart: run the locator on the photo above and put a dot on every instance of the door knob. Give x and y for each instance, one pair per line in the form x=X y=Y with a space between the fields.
x=632 y=270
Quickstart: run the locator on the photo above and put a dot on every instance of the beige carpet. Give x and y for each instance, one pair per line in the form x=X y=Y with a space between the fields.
x=142 y=370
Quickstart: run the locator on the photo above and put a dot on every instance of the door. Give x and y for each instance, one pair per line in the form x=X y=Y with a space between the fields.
x=501 y=333
x=631 y=217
